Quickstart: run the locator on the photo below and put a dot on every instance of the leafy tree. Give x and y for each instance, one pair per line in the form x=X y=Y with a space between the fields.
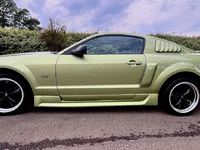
x=7 y=10
x=32 y=23
x=54 y=35
x=11 y=16
x=23 y=20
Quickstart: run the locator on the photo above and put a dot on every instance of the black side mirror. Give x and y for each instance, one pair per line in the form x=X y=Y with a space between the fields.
x=79 y=51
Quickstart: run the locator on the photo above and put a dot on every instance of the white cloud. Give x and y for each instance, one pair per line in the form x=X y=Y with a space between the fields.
x=171 y=14
x=84 y=21
x=25 y=4
x=56 y=10
x=141 y=16
x=53 y=7
x=81 y=23
x=56 y=6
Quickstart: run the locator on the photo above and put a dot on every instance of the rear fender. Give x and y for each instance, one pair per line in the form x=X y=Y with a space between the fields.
x=172 y=70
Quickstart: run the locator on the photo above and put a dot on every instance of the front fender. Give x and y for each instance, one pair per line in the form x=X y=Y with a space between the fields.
x=23 y=71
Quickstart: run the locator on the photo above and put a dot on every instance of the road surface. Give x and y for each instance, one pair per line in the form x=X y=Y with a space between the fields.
x=107 y=128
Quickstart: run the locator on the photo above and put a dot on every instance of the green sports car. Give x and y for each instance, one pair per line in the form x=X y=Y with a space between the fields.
x=110 y=69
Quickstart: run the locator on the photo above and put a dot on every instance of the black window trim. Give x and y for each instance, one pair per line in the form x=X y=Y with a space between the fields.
x=68 y=52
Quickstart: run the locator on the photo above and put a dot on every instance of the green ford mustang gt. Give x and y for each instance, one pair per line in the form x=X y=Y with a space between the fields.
x=111 y=69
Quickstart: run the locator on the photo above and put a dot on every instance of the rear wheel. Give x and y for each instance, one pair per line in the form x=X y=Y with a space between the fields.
x=181 y=97
x=13 y=93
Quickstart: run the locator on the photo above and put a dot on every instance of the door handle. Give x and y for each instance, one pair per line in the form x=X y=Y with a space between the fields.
x=133 y=62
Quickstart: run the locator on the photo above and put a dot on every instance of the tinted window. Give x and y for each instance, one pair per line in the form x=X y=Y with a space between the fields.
x=114 y=45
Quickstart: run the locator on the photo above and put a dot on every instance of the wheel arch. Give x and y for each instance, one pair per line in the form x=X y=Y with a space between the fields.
x=13 y=72
x=189 y=75
x=172 y=71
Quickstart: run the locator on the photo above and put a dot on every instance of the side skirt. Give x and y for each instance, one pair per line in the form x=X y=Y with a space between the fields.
x=54 y=101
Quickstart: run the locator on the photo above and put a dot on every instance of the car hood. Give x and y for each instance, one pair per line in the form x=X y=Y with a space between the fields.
x=29 y=54
x=28 y=59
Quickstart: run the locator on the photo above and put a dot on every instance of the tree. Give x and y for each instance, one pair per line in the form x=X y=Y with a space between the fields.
x=7 y=10
x=55 y=35
x=22 y=19
x=32 y=24
x=11 y=16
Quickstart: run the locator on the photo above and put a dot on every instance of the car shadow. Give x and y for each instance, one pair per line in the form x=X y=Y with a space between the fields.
x=102 y=110
x=115 y=109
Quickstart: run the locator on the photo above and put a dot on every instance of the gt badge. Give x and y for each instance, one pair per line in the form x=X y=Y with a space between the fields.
x=44 y=76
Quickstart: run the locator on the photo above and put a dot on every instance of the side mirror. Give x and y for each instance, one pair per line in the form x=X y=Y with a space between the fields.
x=79 y=51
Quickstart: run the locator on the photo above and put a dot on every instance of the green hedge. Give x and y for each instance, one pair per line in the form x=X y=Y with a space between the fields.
x=56 y=37
x=73 y=37
x=57 y=41
x=190 y=42
x=19 y=41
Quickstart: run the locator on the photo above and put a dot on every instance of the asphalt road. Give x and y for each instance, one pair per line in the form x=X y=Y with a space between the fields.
x=120 y=128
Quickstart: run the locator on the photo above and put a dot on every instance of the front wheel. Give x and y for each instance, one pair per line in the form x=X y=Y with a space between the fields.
x=13 y=93
x=182 y=96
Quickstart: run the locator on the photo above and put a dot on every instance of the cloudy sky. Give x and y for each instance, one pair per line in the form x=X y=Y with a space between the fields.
x=180 y=17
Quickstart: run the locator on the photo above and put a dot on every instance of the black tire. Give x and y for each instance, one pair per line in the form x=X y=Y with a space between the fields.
x=14 y=94
x=181 y=97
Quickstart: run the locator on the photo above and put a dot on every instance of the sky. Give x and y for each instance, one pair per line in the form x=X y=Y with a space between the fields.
x=177 y=17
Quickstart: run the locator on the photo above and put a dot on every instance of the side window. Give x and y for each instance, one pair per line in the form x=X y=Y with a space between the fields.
x=114 y=45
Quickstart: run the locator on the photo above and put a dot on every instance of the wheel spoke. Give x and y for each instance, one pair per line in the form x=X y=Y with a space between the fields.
x=16 y=91
x=1 y=92
x=187 y=92
x=6 y=86
x=178 y=103
x=2 y=95
x=1 y=101
x=187 y=101
x=11 y=101
x=175 y=96
x=4 y=103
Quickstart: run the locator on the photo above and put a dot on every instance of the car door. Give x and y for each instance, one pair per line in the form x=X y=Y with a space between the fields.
x=112 y=68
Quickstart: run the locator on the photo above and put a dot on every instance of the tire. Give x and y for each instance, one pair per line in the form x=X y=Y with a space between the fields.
x=181 y=97
x=13 y=94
